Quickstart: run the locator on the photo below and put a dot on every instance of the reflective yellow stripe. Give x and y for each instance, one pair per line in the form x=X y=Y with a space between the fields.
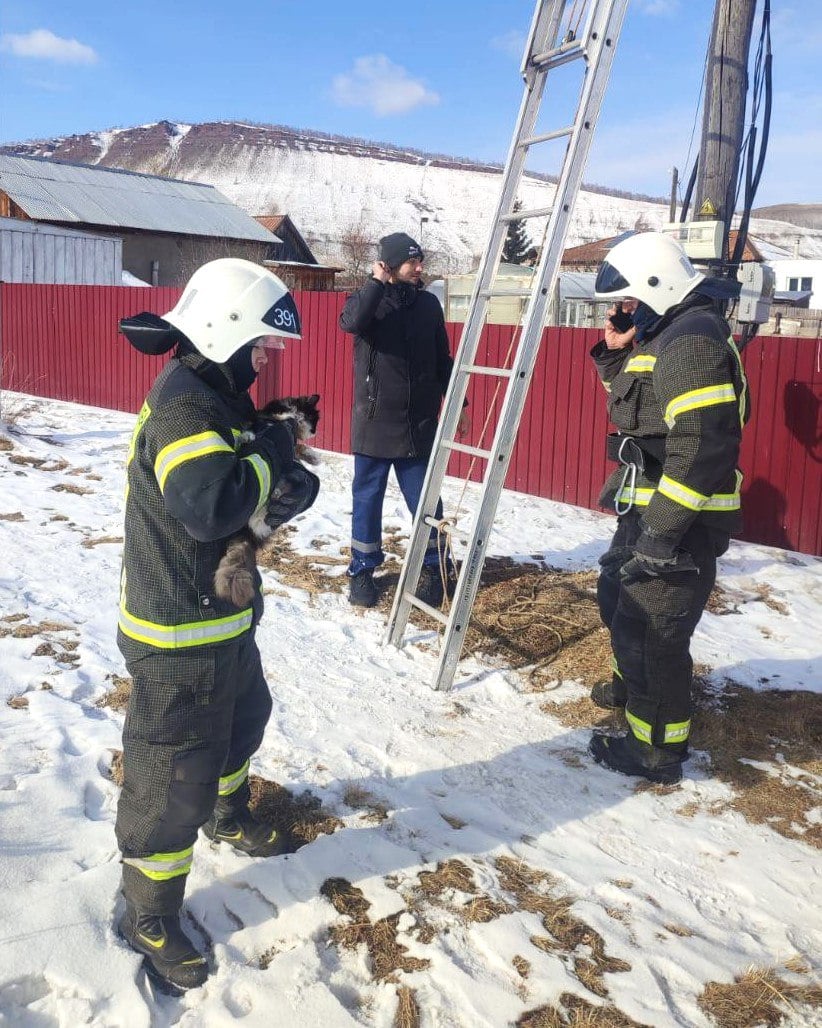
x=615 y=667
x=681 y=494
x=189 y=448
x=677 y=731
x=695 y=399
x=231 y=783
x=693 y=500
x=263 y=473
x=640 y=497
x=641 y=729
x=644 y=362
x=178 y=637
x=159 y=867
x=142 y=418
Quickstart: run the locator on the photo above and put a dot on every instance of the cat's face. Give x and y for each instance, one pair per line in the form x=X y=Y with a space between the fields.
x=303 y=407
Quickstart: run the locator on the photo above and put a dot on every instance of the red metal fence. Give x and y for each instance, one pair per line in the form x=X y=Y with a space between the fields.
x=62 y=342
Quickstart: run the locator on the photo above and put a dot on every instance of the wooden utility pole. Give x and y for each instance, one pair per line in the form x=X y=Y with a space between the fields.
x=723 y=117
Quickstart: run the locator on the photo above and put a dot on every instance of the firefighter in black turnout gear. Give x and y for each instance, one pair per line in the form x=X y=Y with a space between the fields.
x=677 y=395
x=199 y=702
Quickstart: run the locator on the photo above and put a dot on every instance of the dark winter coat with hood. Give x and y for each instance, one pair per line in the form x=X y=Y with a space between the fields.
x=188 y=490
x=402 y=365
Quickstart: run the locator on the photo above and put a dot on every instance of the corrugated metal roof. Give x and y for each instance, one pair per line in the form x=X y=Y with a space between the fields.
x=53 y=191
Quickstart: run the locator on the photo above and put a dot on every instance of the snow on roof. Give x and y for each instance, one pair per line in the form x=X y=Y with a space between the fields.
x=54 y=191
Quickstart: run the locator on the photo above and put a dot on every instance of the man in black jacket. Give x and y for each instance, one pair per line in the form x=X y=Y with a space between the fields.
x=678 y=396
x=402 y=365
x=199 y=701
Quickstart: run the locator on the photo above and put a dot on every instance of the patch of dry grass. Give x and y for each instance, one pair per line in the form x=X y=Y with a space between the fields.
x=408 y=1011
x=5 y=444
x=18 y=702
x=575 y=1012
x=359 y=798
x=757 y=997
x=70 y=487
x=736 y=724
x=89 y=543
x=299 y=570
x=14 y=516
x=386 y=955
x=117 y=697
x=301 y=818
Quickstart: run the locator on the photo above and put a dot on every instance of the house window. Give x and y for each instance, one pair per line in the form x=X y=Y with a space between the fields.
x=803 y=284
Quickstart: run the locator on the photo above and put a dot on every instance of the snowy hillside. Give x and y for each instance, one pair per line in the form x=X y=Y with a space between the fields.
x=330 y=185
x=473 y=868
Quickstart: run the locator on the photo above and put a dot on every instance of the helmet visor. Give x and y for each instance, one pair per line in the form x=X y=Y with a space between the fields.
x=610 y=281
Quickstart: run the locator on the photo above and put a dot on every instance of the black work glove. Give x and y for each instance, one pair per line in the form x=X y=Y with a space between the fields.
x=295 y=492
x=275 y=441
x=655 y=557
x=612 y=560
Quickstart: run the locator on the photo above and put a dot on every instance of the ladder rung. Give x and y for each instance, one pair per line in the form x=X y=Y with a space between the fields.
x=559 y=55
x=464 y=448
x=452 y=529
x=477 y=369
x=488 y=293
x=537 y=212
x=544 y=137
x=415 y=601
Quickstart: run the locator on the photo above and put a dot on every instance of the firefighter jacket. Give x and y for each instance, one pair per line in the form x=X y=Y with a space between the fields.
x=402 y=365
x=188 y=490
x=681 y=397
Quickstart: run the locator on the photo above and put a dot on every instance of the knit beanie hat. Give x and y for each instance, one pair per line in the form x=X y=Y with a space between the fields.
x=398 y=248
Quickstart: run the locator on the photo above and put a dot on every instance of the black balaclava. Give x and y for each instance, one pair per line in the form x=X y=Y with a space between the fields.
x=242 y=370
x=645 y=320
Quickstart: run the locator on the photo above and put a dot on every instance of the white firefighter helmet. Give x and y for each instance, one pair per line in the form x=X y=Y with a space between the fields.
x=650 y=267
x=229 y=303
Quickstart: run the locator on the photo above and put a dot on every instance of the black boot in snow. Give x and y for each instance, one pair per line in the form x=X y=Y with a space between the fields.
x=609 y=695
x=430 y=588
x=629 y=756
x=170 y=957
x=240 y=829
x=362 y=590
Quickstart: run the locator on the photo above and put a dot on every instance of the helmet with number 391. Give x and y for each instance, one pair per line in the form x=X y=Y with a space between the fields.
x=229 y=303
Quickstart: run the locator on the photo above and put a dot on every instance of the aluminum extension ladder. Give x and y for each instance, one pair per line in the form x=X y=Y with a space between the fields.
x=553 y=41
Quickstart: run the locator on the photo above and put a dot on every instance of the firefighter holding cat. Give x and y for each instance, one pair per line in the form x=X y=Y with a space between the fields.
x=199 y=702
x=678 y=396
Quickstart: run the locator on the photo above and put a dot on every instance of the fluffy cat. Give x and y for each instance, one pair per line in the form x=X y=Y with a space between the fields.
x=234 y=577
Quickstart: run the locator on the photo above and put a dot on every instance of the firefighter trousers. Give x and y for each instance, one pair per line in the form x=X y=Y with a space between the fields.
x=651 y=620
x=194 y=719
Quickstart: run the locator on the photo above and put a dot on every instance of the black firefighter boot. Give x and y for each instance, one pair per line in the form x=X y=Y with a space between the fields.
x=629 y=756
x=233 y=822
x=151 y=926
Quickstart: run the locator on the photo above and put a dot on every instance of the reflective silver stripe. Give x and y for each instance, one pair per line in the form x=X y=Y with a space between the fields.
x=645 y=362
x=189 y=448
x=365 y=547
x=263 y=473
x=231 y=783
x=641 y=729
x=696 y=399
x=195 y=633
x=151 y=864
x=677 y=732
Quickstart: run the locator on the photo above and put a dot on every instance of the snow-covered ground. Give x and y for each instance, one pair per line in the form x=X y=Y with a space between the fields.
x=478 y=774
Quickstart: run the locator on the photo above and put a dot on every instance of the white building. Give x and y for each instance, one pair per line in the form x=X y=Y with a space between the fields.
x=798 y=275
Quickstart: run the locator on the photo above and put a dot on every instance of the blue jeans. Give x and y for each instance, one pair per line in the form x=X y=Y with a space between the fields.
x=368 y=490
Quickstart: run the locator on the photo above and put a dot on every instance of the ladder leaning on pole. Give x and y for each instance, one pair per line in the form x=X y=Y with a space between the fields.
x=553 y=41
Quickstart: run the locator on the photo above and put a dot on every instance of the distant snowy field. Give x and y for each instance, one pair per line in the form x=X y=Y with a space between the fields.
x=349 y=712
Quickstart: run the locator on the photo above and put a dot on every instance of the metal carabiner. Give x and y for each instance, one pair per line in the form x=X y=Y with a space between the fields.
x=629 y=476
